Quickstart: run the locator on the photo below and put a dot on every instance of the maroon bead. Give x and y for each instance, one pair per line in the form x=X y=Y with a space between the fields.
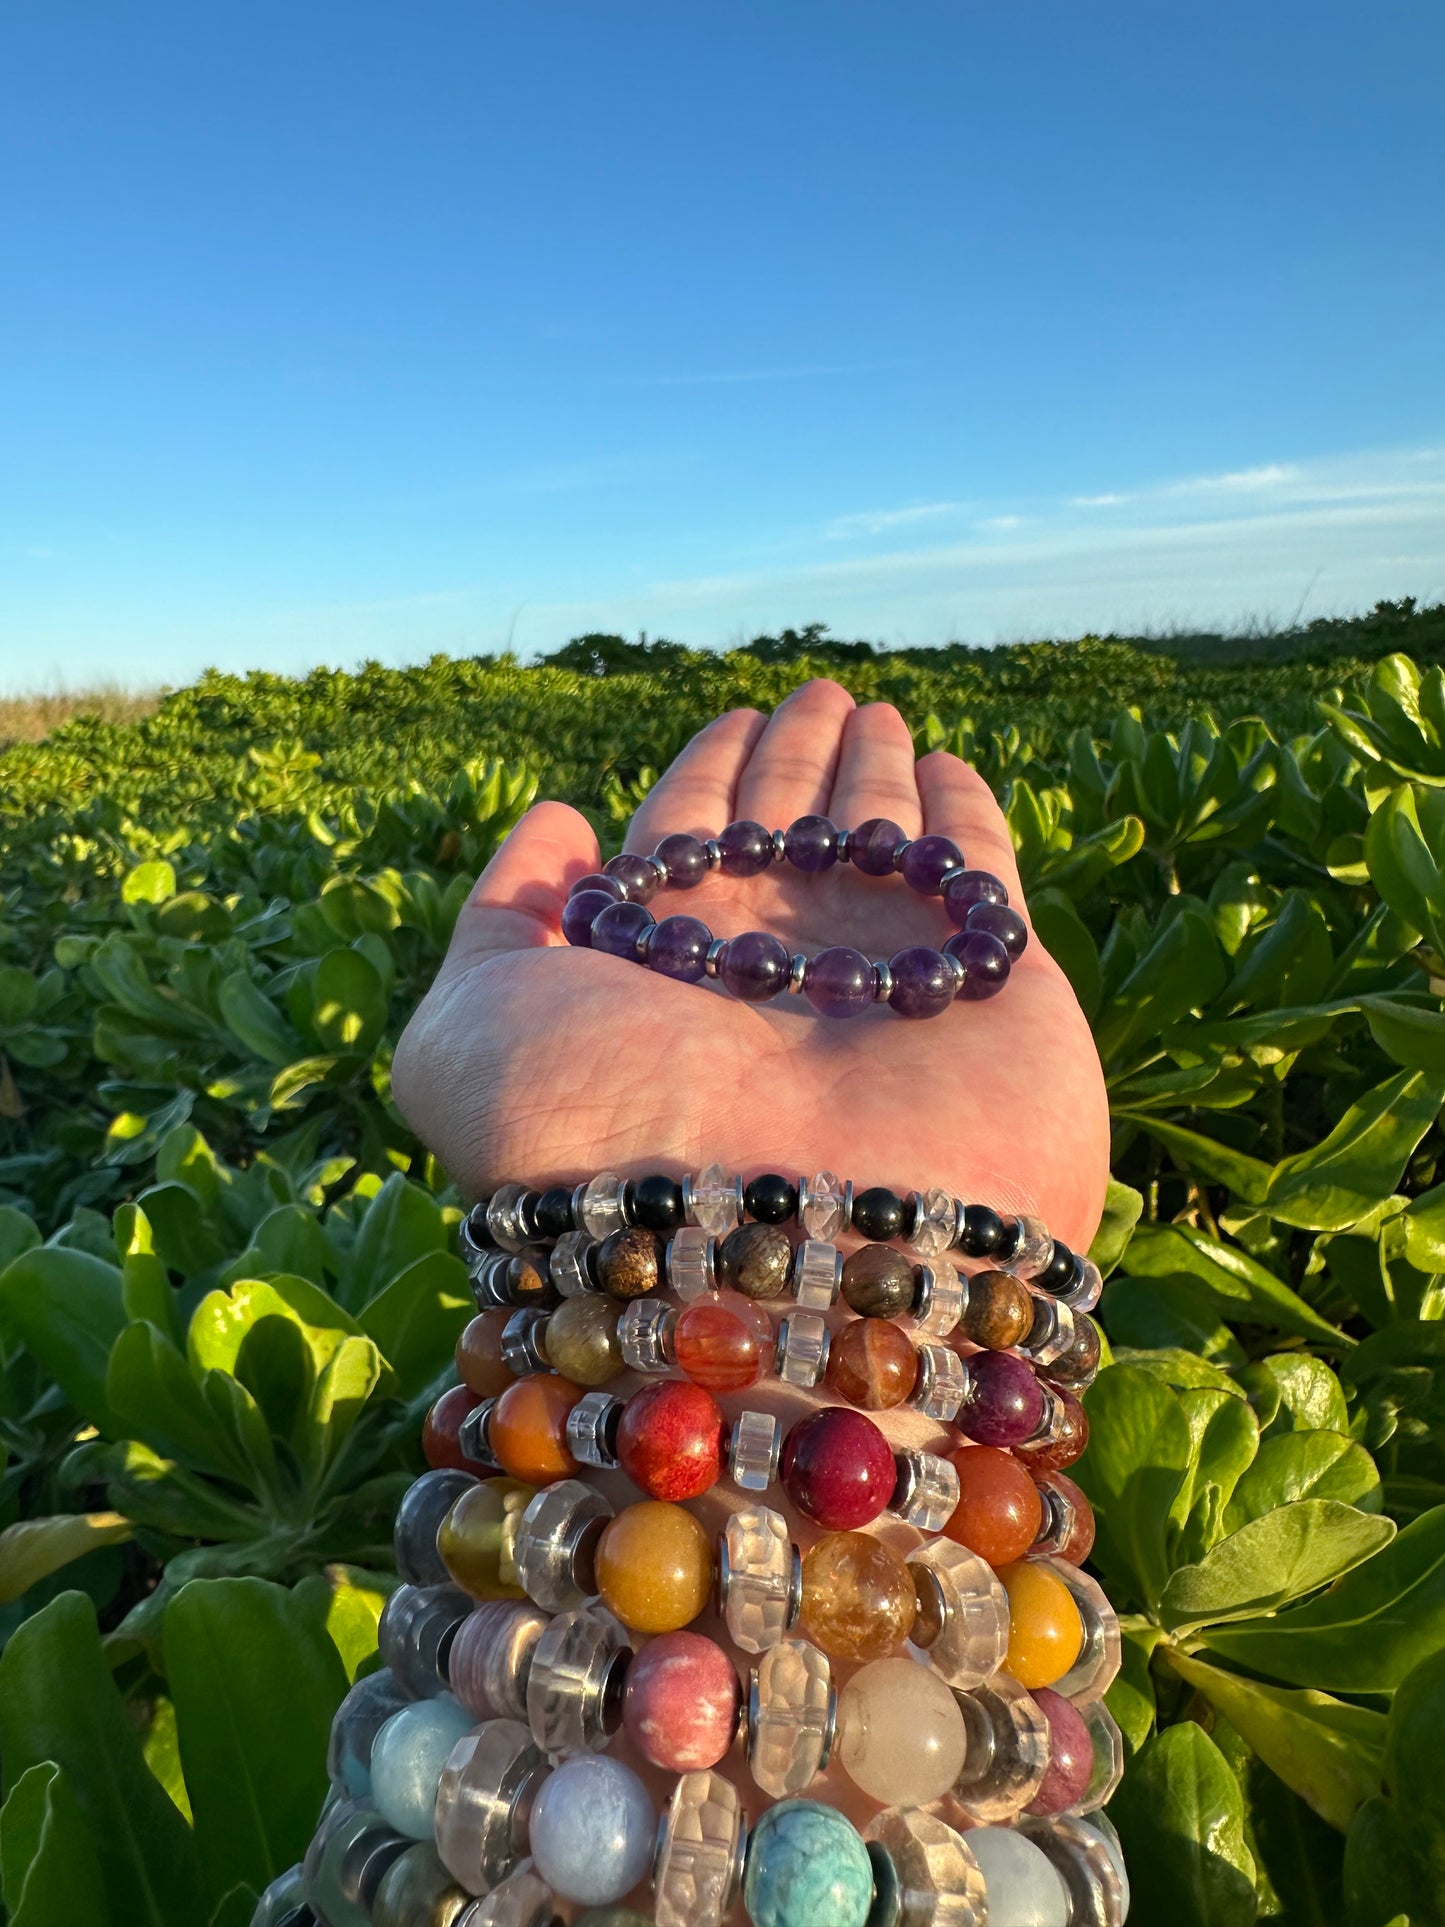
x=580 y=912
x=679 y=949
x=618 y=927
x=985 y=963
x=755 y=966
x=1005 y=1401
x=839 y=982
x=925 y=862
x=440 y=1434
x=1068 y=1443
x=1078 y=1367
x=669 y=1440
x=924 y=983
x=873 y=847
x=635 y=874
x=811 y=843
x=1080 y=1542
x=684 y=859
x=1071 y=1754
x=1001 y=922
x=747 y=849
x=838 y=1468
x=598 y=880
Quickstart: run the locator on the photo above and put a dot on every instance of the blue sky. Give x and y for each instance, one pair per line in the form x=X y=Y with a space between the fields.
x=338 y=331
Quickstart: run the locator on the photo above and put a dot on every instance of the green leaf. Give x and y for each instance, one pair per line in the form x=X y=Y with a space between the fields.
x=349 y=1011
x=48 y=1865
x=18 y=1233
x=158 y=1399
x=1288 y=1552
x=1131 y=1697
x=1240 y=1286
x=1395 y=1854
x=149 y=883
x=1137 y=1461
x=1342 y=1179
x=419 y=1317
x=1246 y=1177
x=1408 y=1034
x=1167 y=1314
x=250 y=1016
x=1122 y=1208
x=1225 y=1437
x=1303 y=1394
x=347 y=1381
x=67 y=1307
x=402 y=1223
x=19 y=995
x=1180 y=1815
x=32 y=1549
x=353 y=1612
x=1304 y=1465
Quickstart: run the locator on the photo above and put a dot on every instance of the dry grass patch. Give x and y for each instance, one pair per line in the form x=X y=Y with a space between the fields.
x=31 y=717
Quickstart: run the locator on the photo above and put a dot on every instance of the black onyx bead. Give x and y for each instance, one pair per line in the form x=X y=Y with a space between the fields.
x=553 y=1214
x=657 y=1204
x=1011 y=1237
x=770 y=1199
x=1058 y=1273
x=478 y=1230
x=981 y=1234
x=878 y=1213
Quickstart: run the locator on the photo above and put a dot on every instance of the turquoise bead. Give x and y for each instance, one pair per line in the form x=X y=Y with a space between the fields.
x=407 y=1760
x=807 y=1867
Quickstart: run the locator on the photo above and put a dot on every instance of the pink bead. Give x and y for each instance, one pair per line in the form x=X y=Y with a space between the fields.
x=680 y=1707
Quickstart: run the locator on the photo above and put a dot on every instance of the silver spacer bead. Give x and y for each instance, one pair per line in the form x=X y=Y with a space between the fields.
x=958 y=870
x=714 y=956
x=902 y=851
x=780 y=847
x=845 y=845
x=712 y=850
x=659 y=867
x=644 y=943
x=959 y=973
x=795 y=976
x=882 y=983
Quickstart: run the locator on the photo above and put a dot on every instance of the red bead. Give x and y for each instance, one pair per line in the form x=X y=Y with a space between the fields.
x=669 y=1440
x=439 y=1435
x=838 y=1468
x=721 y=1343
x=1071 y=1436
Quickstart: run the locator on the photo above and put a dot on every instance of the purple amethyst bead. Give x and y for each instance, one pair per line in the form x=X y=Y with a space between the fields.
x=875 y=846
x=839 y=982
x=679 y=949
x=684 y=859
x=635 y=874
x=985 y=963
x=969 y=887
x=618 y=928
x=925 y=862
x=811 y=843
x=747 y=849
x=1001 y=922
x=924 y=984
x=595 y=880
x=580 y=912
x=755 y=966
x=1005 y=1402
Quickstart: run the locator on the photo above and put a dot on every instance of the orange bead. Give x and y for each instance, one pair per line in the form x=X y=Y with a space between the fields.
x=998 y=1514
x=479 y=1355
x=528 y=1430
x=1045 y=1631
x=654 y=1567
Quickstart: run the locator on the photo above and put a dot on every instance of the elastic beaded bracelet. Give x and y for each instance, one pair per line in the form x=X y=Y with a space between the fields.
x=606 y=911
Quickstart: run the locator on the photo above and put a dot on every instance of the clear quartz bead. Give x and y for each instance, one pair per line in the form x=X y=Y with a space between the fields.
x=489 y=1280
x=1034 y=1251
x=486 y=1789
x=817 y=1274
x=1060 y=1519
x=1052 y=1332
x=1007 y=1754
x=700 y=1849
x=824 y=1205
x=1089 y=1862
x=522 y=1900
x=473 y=1435
x=802 y=1351
x=962 y=1623
x=691 y=1262
x=417 y=1627
x=600 y=1206
x=939 y=1390
x=569 y=1263
x=491 y=1657
x=523 y=1339
x=555 y=1543
x=1108 y=1757
x=1084 y=1295
x=935 y=1219
x=792 y=1713
x=713 y=1201
x=760 y=1578
x=1097 y=1667
x=346 y=1863
x=470 y=1249
x=503 y=1218
x=592 y=1430
x=416 y=1887
x=574 y=1688
x=755 y=1443
x=644 y=1335
x=940 y=1884
x=927 y=1491
x=938 y=1300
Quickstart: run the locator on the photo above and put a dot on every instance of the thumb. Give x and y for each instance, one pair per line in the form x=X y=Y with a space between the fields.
x=516 y=903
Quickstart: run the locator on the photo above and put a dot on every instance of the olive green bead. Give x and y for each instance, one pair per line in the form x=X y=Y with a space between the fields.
x=755 y=1260
x=581 y=1340
x=878 y=1282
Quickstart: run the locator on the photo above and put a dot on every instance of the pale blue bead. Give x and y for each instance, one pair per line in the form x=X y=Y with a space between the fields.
x=807 y=1867
x=1025 y=1889
x=592 y=1829
x=407 y=1758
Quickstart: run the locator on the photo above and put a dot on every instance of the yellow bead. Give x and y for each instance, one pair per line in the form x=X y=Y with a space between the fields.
x=1045 y=1631
x=654 y=1567
x=477 y=1537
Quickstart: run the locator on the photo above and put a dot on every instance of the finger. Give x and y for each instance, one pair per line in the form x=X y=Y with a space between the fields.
x=516 y=903
x=790 y=772
x=698 y=791
x=875 y=771
x=958 y=803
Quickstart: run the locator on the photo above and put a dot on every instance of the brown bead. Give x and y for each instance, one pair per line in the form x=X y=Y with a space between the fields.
x=858 y=1597
x=480 y=1365
x=878 y=1282
x=755 y=1259
x=999 y=1311
x=529 y=1277
x=1067 y=1440
x=629 y=1262
x=581 y=1340
x=872 y=1363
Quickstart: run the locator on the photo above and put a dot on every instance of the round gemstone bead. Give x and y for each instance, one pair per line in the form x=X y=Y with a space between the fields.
x=900 y=1733
x=806 y=1867
x=926 y=861
x=407 y=1758
x=477 y=1538
x=581 y=1340
x=597 y=880
x=680 y=1706
x=591 y=1829
x=1067 y=1441
x=581 y=911
x=755 y=1259
x=1001 y=922
x=439 y=1441
x=679 y=949
x=669 y=1440
x=874 y=846
x=1045 y=1630
x=721 y=1343
x=657 y=1203
x=491 y=1655
x=810 y=843
x=359 y=1718
x=872 y=1364
x=683 y=858
x=878 y=1281
x=1005 y=1401
x=1024 y=1888
x=528 y=1432
x=878 y=1213
x=924 y=984
x=747 y=849
x=416 y=1886
x=999 y=1310
x=636 y=875
x=980 y=1231
x=629 y=1262
x=838 y=982
x=985 y=963
x=1078 y=1367
x=966 y=888
x=755 y=967
x=554 y=1212
x=998 y=1511
x=654 y=1567
x=858 y=1597
x=1071 y=1754
x=838 y=1468
x=771 y=1199
x=619 y=928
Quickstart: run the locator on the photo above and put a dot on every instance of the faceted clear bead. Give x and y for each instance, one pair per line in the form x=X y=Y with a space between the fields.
x=491 y=1657
x=282 y=1900
x=469 y=1249
x=802 y=1349
x=1097 y=1667
x=523 y=1900
x=473 y=1436
x=713 y=1201
x=938 y=1300
x=346 y=1861
x=644 y=1335
x=592 y=1430
x=600 y=1206
x=927 y=1491
x=486 y=1788
x=939 y=1390
x=417 y=1626
x=962 y=1623
x=824 y=1205
x=1108 y=1757
x=1008 y=1750
x=792 y=1712
x=1052 y=1332
x=569 y=1263
x=1034 y=1251
x=691 y=1262
x=760 y=1578
x=504 y=1220
x=555 y=1543
x=489 y=1280
x=1084 y=1295
x=523 y=1340
x=1090 y=1863
x=936 y=1218
x=754 y=1446
x=817 y=1274
x=574 y=1690
x=940 y=1884
x=700 y=1852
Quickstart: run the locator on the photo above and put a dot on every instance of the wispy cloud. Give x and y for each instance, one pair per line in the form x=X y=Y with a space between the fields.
x=1000 y=524
x=1240 y=481
x=846 y=528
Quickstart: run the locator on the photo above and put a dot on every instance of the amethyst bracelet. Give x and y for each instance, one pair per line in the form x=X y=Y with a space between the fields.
x=608 y=911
